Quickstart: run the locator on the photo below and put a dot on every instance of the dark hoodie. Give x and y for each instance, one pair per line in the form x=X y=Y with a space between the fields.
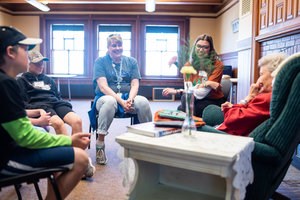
x=39 y=91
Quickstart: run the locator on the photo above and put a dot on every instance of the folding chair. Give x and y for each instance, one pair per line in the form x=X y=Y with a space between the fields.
x=33 y=178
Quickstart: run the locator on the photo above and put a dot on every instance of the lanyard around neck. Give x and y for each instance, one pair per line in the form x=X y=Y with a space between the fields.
x=118 y=75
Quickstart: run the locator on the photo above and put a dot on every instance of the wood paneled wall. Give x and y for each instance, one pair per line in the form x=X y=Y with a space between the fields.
x=276 y=28
x=278 y=15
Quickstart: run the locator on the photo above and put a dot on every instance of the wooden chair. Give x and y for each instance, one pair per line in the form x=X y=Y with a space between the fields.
x=33 y=178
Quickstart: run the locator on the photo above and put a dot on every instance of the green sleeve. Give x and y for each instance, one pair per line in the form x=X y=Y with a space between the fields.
x=25 y=135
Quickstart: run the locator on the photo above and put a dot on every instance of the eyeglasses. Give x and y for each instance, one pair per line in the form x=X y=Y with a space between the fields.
x=203 y=47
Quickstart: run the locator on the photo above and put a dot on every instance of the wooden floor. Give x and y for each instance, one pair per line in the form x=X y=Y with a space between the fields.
x=107 y=183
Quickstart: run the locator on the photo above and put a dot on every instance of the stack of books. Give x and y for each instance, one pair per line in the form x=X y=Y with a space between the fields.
x=151 y=130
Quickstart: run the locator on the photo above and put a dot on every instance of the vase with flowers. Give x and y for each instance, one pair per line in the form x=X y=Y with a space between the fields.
x=189 y=126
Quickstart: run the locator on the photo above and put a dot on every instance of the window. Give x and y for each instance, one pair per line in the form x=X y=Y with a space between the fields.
x=74 y=42
x=161 y=43
x=67 y=50
x=104 y=30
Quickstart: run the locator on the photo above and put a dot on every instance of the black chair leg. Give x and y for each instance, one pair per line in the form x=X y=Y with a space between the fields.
x=131 y=120
x=90 y=131
x=17 y=187
x=38 y=191
x=55 y=187
x=134 y=120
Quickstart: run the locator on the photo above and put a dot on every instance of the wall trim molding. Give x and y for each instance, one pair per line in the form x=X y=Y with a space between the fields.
x=244 y=44
x=230 y=55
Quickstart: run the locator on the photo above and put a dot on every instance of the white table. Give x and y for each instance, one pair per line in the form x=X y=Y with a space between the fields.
x=178 y=167
x=63 y=76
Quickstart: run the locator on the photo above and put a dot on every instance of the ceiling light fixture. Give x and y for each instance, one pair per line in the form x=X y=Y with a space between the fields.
x=150 y=5
x=39 y=5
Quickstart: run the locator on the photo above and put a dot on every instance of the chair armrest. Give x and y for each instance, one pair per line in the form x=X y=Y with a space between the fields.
x=264 y=153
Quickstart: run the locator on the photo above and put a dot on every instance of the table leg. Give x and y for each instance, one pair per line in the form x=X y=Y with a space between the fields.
x=145 y=180
x=69 y=89
x=58 y=85
x=229 y=189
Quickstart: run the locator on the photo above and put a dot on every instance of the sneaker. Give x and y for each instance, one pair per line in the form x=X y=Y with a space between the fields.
x=100 y=155
x=90 y=171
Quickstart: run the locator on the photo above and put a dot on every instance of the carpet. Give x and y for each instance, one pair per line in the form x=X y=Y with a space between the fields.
x=107 y=184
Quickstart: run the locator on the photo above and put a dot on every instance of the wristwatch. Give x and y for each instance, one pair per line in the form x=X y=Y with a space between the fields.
x=244 y=101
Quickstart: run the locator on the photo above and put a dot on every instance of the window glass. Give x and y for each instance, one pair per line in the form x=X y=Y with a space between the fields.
x=161 y=43
x=68 y=47
x=73 y=44
x=104 y=30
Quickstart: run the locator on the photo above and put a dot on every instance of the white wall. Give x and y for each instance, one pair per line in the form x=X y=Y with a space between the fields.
x=245 y=24
x=5 y=19
x=28 y=25
x=199 y=26
x=225 y=40
x=245 y=71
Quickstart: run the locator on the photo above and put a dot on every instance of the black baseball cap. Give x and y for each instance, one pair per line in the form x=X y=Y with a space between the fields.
x=10 y=36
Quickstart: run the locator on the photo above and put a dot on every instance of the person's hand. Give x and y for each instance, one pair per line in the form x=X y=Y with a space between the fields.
x=255 y=89
x=168 y=91
x=172 y=60
x=262 y=88
x=44 y=119
x=42 y=112
x=129 y=107
x=126 y=106
x=80 y=140
x=226 y=105
x=198 y=86
x=214 y=85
